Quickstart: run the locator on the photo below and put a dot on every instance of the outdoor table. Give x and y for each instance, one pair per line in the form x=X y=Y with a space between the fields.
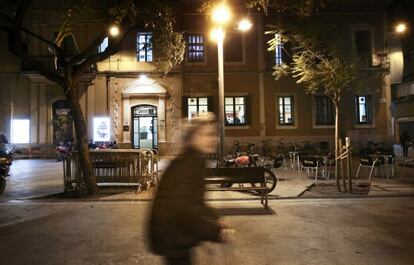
x=294 y=159
x=324 y=160
x=386 y=160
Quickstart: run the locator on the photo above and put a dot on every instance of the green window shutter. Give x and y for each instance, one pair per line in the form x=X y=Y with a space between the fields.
x=248 y=109
x=184 y=107
x=210 y=102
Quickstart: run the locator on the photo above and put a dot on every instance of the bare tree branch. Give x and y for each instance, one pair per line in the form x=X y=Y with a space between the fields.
x=15 y=46
x=57 y=48
x=112 y=49
x=87 y=51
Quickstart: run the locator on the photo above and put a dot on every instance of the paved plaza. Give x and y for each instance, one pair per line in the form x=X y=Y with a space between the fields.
x=293 y=232
x=111 y=228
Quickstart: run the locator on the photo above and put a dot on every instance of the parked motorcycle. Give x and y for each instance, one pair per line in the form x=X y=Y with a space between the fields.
x=6 y=158
x=249 y=159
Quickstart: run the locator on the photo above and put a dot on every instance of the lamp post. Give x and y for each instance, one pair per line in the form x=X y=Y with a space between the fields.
x=392 y=61
x=221 y=16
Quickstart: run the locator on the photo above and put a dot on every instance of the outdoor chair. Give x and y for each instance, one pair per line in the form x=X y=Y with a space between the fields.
x=299 y=156
x=369 y=162
x=310 y=163
x=389 y=162
x=279 y=162
x=327 y=164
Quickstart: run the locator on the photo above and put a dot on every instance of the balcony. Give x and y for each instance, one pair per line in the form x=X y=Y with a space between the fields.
x=405 y=90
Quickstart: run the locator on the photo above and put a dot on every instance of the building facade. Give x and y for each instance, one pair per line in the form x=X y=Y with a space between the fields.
x=124 y=101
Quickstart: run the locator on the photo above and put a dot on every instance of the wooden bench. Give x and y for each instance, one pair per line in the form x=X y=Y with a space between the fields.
x=220 y=178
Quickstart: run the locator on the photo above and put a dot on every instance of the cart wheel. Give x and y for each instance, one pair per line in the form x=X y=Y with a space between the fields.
x=270 y=182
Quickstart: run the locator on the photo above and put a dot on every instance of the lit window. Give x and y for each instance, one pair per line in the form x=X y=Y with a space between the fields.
x=103 y=45
x=101 y=129
x=286 y=110
x=324 y=111
x=196 y=106
x=20 y=131
x=195 y=48
x=278 y=50
x=144 y=47
x=235 y=110
x=363 y=107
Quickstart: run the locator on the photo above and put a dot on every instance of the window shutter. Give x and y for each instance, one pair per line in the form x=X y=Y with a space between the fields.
x=248 y=109
x=369 y=109
x=210 y=103
x=184 y=105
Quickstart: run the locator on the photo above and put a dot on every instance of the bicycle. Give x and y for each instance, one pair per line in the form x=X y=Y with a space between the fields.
x=266 y=148
x=249 y=159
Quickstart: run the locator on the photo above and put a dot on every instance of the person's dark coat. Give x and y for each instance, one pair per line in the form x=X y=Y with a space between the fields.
x=405 y=139
x=180 y=219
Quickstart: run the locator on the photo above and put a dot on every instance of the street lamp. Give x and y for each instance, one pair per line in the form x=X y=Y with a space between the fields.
x=400 y=28
x=393 y=62
x=114 y=30
x=221 y=16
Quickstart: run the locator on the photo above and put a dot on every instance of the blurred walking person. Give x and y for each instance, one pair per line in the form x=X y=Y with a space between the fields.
x=180 y=219
x=405 y=141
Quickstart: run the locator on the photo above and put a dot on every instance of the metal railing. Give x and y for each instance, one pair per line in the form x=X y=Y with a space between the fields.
x=114 y=167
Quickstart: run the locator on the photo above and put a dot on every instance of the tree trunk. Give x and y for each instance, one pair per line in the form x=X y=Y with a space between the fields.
x=81 y=139
x=337 y=144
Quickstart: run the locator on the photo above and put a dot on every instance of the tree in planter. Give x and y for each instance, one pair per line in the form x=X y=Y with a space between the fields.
x=152 y=15
x=322 y=61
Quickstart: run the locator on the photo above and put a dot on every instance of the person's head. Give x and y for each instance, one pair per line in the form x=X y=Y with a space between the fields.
x=201 y=133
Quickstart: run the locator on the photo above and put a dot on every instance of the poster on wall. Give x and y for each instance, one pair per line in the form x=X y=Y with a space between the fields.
x=62 y=122
x=101 y=129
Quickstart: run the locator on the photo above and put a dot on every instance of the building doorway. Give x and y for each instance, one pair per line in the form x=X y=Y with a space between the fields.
x=144 y=127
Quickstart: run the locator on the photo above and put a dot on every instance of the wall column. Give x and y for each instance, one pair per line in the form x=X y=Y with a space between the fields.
x=127 y=120
x=42 y=114
x=161 y=119
x=34 y=113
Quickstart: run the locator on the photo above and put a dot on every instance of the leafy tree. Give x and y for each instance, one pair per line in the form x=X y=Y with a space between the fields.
x=129 y=15
x=322 y=61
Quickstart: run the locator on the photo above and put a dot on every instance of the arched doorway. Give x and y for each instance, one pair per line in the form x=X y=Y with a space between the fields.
x=144 y=127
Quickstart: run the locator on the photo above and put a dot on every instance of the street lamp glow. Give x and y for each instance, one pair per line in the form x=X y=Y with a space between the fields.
x=114 y=31
x=244 y=25
x=217 y=34
x=221 y=14
x=401 y=28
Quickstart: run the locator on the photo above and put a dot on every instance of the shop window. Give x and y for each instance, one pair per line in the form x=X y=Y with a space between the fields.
x=363 y=107
x=236 y=110
x=102 y=47
x=20 y=131
x=324 y=111
x=62 y=122
x=195 y=46
x=286 y=110
x=144 y=47
x=101 y=128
